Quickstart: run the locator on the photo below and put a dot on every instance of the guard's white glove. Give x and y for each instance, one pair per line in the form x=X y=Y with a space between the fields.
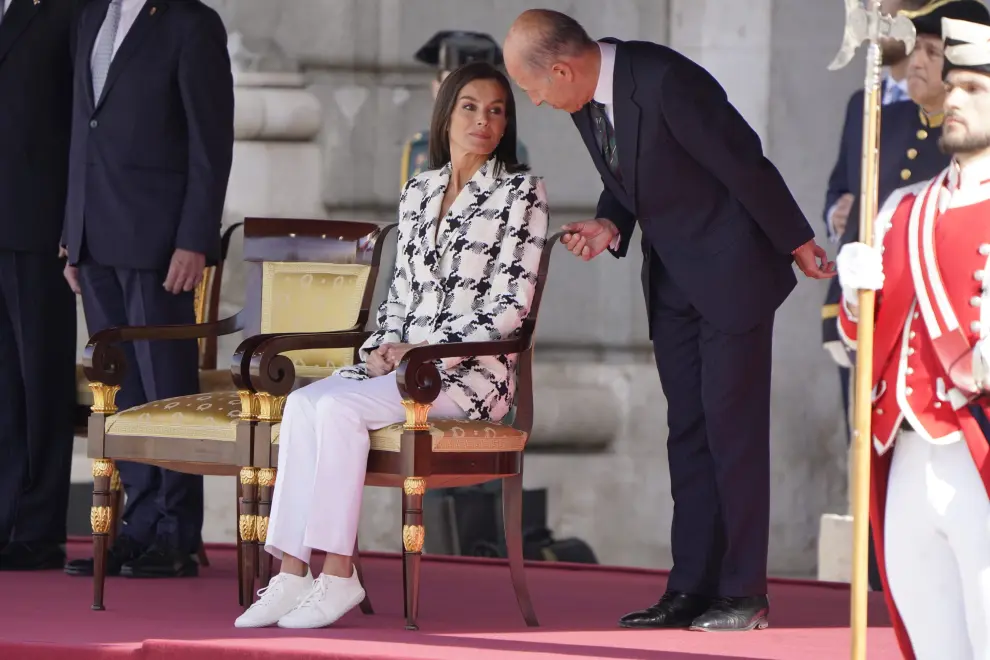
x=860 y=267
x=981 y=364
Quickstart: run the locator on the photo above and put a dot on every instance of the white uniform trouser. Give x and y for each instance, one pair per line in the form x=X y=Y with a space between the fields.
x=937 y=548
x=323 y=454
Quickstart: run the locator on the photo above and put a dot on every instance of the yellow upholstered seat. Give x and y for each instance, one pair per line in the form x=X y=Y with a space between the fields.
x=210 y=416
x=454 y=435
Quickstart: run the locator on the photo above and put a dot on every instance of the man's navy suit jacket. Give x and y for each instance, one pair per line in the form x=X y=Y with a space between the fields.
x=714 y=209
x=35 y=102
x=149 y=162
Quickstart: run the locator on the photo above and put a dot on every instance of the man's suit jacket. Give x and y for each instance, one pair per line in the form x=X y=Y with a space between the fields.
x=150 y=160
x=35 y=106
x=909 y=154
x=713 y=208
x=473 y=280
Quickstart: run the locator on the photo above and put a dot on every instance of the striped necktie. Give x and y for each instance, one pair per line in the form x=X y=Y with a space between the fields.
x=605 y=137
x=103 y=52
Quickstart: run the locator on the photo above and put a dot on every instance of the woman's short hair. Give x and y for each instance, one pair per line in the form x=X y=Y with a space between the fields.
x=443 y=108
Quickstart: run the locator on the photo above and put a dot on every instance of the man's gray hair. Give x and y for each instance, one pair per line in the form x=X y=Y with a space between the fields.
x=559 y=36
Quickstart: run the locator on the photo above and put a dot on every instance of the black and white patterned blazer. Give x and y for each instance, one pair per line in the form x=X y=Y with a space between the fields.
x=474 y=282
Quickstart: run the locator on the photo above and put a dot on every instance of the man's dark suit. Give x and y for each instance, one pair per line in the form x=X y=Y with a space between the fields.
x=37 y=308
x=719 y=226
x=148 y=174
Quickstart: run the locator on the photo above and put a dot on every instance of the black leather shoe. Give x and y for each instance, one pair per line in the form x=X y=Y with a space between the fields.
x=673 y=610
x=19 y=556
x=734 y=615
x=161 y=561
x=123 y=550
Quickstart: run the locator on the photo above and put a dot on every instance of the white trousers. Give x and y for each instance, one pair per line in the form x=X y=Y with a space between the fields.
x=937 y=545
x=323 y=454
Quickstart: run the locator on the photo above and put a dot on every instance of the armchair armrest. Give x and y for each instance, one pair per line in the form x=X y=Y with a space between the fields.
x=418 y=377
x=259 y=366
x=103 y=361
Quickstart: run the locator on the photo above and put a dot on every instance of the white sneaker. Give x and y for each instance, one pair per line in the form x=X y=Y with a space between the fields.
x=283 y=593
x=330 y=598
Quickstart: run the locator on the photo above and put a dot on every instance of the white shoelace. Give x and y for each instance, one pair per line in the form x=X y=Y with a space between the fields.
x=274 y=588
x=317 y=593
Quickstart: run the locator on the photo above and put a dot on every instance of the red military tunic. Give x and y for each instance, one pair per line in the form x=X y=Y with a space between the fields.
x=936 y=263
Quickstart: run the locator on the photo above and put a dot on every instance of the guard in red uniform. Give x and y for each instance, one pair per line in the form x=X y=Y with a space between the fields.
x=929 y=504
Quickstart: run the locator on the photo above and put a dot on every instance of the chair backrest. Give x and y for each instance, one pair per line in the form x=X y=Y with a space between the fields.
x=207 y=300
x=311 y=276
x=521 y=415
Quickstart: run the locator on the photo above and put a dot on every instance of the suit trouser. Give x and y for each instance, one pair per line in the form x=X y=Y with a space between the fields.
x=937 y=548
x=162 y=505
x=717 y=387
x=322 y=459
x=37 y=396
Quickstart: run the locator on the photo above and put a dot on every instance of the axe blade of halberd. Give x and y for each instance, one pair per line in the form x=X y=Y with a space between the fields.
x=859 y=22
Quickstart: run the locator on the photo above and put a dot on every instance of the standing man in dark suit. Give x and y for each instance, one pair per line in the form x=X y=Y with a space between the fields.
x=721 y=232
x=152 y=143
x=37 y=309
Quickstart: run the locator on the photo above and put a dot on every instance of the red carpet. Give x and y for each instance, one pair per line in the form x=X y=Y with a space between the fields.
x=467 y=611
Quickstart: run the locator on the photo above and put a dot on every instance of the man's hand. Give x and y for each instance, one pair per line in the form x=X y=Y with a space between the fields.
x=71 y=275
x=812 y=261
x=378 y=363
x=589 y=238
x=840 y=214
x=185 y=271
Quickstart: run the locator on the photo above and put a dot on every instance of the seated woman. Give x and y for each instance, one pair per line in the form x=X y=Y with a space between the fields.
x=470 y=236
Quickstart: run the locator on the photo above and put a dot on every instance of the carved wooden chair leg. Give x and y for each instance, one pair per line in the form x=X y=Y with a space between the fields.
x=242 y=598
x=512 y=493
x=356 y=558
x=248 y=528
x=116 y=505
x=413 y=534
x=101 y=520
x=266 y=487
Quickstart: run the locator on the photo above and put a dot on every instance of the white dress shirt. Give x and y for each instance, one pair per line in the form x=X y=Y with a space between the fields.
x=895 y=91
x=604 y=92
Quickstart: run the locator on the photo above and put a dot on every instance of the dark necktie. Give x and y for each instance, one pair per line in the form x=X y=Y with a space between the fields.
x=605 y=136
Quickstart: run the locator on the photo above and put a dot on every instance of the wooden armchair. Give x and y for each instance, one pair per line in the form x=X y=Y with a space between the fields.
x=302 y=276
x=418 y=454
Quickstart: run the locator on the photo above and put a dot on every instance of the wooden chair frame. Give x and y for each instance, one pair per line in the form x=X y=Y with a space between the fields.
x=270 y=375
x=266 y=239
